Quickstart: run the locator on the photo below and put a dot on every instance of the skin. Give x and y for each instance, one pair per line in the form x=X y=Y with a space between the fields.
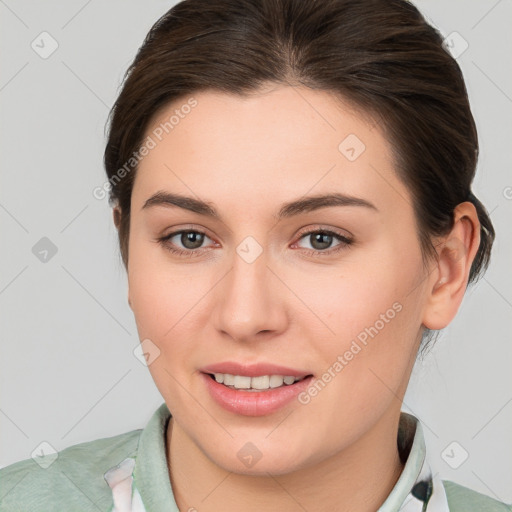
x=248 y=156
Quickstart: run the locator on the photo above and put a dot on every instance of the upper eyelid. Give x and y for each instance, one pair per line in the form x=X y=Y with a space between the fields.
x=321 y=228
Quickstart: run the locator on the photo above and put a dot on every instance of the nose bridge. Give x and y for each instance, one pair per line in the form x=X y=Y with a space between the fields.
x=247 y=301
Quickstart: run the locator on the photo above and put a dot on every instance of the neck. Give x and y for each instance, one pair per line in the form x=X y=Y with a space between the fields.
x=359 y=477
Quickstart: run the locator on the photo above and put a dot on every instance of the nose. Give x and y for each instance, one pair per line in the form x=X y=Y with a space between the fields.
x=250 y=302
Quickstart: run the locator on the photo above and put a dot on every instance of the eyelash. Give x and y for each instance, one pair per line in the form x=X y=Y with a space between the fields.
x=344 y=243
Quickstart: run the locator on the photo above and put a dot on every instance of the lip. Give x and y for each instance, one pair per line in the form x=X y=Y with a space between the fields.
x=253 y=403
x=253 y=370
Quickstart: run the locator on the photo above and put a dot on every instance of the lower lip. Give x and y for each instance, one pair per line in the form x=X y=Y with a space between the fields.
x=254 y=403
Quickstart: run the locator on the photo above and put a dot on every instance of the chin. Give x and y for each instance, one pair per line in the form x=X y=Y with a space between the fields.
x=248 y=459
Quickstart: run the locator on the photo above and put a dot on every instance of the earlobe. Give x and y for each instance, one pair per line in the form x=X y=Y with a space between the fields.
x=448 y=280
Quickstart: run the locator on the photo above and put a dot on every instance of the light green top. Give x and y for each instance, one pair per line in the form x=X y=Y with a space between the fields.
x=129 y=473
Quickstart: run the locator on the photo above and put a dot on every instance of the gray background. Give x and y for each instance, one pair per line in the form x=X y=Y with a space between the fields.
x=67 y=368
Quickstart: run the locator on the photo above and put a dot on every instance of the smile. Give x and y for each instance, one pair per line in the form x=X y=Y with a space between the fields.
x=258 y=383
x=253 y=389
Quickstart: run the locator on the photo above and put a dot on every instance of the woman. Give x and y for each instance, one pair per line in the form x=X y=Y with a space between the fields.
x=291 y=184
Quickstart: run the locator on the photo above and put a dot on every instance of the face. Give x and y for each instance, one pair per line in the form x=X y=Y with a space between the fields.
x=329 y=293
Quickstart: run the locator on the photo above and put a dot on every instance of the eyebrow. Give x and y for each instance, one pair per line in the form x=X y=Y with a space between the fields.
x=290 y=209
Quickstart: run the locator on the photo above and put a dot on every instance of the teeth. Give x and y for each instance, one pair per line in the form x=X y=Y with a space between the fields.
x=276 y=381
x=255 y=383
x=242 y=382
x=229 y=380
x=260 y=382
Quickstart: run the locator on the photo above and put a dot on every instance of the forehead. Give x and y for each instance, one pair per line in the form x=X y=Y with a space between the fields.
x=279 y=141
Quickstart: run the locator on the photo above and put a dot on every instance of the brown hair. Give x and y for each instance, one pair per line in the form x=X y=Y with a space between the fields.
x=380 y=55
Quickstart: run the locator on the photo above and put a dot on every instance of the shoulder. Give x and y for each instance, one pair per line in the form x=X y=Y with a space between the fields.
x=74 y=477
x=463 y=499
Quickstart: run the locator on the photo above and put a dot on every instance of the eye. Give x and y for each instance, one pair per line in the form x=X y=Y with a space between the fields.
x=190 y=239
x=322 y=239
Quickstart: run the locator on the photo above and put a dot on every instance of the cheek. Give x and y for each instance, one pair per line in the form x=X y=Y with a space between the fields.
x=372 y=311
x=372 y=329
x=368 y=295
x=160 y=293
x=366 y=364
x=171 y=305
x=163 y=307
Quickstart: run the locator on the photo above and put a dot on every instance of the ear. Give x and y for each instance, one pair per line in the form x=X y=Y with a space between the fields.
x=116 y=213
x=448 y=279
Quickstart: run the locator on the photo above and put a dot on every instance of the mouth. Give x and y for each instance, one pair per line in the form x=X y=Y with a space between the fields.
x=253 y=390
x=257 y=383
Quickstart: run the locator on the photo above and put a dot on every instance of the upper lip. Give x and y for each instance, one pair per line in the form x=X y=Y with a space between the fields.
x=253 y=370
